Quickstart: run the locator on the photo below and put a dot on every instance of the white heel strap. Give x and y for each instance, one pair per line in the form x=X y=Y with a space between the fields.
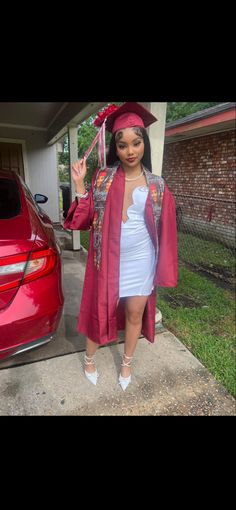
x=126 y=363
x=88 y=360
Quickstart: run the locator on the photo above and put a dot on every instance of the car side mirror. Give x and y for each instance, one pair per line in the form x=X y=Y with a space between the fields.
x=40 y=199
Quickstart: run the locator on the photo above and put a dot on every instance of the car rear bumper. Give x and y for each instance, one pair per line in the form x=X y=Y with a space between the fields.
x=33 y=317
x=26 y=347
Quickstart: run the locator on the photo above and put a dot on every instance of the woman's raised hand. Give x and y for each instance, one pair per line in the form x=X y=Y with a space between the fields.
x=79 y=170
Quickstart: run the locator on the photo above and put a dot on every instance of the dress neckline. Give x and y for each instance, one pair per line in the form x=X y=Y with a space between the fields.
x=137 y=187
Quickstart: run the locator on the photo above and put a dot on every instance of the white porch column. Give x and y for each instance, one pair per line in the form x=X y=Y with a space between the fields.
x=73 y=151
x=156 y=133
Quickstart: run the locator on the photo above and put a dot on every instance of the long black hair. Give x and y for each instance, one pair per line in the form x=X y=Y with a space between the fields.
x=112 y=158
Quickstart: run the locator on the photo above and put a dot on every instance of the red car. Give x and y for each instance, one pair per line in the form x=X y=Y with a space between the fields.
x=31 y=296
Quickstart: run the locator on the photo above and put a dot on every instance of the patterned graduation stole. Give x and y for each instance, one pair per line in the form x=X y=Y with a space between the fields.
x=101 y=187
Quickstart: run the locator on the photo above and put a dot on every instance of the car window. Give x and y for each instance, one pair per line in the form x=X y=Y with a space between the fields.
x=29 y=195
x=10 y=204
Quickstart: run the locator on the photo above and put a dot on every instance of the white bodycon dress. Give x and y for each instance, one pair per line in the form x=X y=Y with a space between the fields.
x=137 y=253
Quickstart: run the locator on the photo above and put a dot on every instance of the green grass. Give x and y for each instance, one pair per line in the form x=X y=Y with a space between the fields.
x=206 y=253
x=60 y=201
x=208 y=328
x=84 y=238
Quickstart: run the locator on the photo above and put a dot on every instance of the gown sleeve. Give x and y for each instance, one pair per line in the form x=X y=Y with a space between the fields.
x=167 y=266
x=81 y=212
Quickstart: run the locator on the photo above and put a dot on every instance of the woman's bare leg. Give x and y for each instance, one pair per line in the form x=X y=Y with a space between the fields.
x=134 y=308
x=91 y=348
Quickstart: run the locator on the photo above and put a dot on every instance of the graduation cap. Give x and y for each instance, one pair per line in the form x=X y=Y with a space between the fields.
x=129 y=115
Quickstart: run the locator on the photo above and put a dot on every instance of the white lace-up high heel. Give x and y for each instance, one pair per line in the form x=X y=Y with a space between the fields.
x=125 y=381
x=91 y=376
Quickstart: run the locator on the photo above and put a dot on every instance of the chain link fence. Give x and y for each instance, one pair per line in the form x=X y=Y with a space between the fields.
x=206 y=234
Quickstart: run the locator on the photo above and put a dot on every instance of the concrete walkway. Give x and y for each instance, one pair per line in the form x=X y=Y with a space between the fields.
x=167 y=379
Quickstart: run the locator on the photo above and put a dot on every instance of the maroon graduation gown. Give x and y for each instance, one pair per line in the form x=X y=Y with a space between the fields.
x=99 y=317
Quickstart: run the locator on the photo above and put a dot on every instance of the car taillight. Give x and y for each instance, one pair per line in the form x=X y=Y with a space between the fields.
x=16 y=270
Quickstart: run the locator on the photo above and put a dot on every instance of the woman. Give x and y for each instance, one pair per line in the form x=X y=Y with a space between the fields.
x=133 y=246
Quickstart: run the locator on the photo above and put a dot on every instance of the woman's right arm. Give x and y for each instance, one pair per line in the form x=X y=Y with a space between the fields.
x=81 y=211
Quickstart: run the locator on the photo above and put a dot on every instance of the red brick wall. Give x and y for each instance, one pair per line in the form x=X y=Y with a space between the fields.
x=201 y=174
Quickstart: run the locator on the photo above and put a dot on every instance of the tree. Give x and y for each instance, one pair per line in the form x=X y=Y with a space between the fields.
x=179 y=110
